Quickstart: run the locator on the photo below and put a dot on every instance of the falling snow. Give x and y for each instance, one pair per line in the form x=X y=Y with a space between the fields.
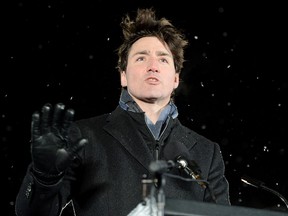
x=233 y=89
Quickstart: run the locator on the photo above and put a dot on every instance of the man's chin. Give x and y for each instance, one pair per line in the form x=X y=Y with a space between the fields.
x=151 y=99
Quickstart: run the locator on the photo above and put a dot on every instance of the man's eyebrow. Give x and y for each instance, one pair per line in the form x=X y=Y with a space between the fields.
x=146 y=52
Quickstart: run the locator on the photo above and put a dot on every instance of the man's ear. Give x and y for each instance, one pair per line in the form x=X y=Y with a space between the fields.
x=123 y=79
x=176 y=81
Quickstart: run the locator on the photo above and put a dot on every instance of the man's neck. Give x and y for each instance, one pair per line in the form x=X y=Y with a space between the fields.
x=152 y=110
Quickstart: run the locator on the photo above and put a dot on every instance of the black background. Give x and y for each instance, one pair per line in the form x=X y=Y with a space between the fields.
x=233 y=89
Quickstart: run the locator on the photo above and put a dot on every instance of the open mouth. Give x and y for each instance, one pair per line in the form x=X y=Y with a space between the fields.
x=152 y=79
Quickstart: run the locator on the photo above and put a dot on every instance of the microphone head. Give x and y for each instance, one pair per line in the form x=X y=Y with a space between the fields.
x=173 y=150
x=185 y=163
x=161 y=166
x=182 y=162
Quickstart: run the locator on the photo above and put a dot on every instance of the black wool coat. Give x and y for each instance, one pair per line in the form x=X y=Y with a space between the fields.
x=106 y=177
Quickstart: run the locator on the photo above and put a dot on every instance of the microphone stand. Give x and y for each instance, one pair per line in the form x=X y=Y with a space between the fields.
x=158 y=168
x=157 y=195
x=258 y=184
x=160 y=201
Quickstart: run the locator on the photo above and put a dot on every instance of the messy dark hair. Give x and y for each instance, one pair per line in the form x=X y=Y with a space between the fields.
x=146 y=25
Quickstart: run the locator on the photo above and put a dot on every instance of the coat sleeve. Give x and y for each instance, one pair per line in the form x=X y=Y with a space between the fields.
x=35 y=198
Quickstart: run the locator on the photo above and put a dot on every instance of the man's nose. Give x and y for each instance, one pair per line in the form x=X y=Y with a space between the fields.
x=153 y=65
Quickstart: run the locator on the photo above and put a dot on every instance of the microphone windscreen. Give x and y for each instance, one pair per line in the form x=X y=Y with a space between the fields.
x=160 y=166
x=173 y=150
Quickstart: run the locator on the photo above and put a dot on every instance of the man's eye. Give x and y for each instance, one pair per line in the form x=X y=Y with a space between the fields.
x=164 y=60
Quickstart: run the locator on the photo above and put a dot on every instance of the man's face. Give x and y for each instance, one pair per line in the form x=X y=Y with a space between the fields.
x=150 y=75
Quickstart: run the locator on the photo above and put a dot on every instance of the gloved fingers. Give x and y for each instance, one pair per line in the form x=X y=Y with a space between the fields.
x=65 y=156
x=46 y=118
x=35 y=126
x=78 y=146
x=57 y=117
x=67 y=121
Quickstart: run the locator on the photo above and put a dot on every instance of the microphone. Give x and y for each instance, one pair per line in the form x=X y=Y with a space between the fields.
x=161 y=166
x=191 y=169
x=259 y=184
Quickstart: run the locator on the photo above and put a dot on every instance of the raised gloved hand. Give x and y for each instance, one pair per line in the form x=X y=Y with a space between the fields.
x=51 y=148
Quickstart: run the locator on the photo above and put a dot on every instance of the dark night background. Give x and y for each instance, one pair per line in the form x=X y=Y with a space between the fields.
x=233 y=90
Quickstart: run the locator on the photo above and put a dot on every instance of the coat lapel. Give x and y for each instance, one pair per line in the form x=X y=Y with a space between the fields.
x=180 y=142
x=120 y=127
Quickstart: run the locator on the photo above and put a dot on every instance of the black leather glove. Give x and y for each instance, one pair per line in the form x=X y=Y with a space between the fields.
x=51 y=149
